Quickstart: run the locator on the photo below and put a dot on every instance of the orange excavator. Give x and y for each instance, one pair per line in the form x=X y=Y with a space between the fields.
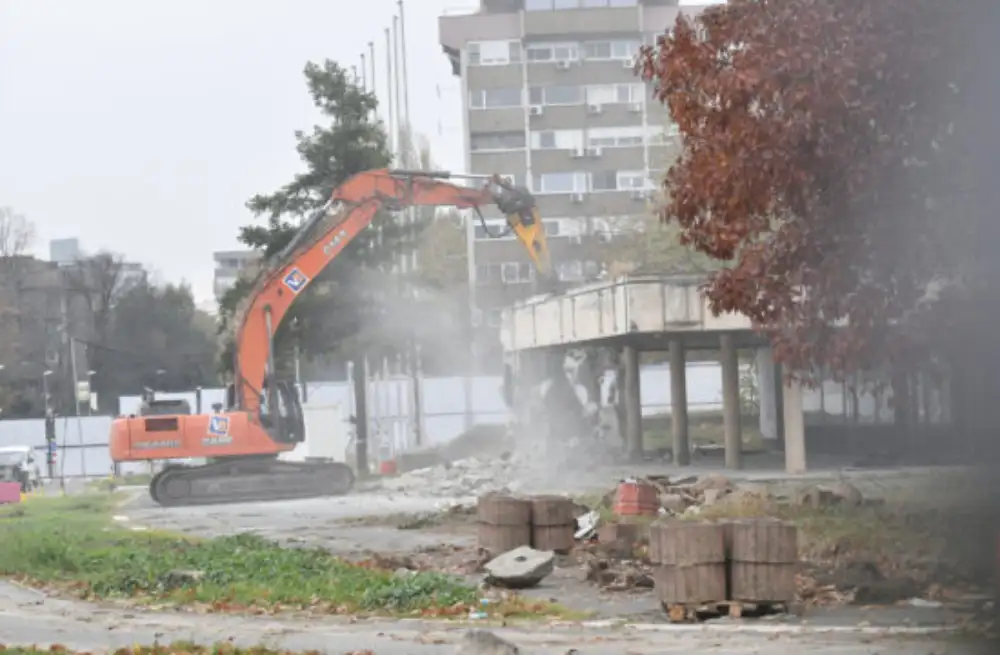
x=263 y=416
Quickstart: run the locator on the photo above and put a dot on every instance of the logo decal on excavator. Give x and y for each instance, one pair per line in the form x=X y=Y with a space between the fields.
x=218 y=426
x=295 y=280
x=334 y=242
x=218 y=432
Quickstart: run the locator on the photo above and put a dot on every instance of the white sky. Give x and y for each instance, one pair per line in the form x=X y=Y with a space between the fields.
x=143 y=126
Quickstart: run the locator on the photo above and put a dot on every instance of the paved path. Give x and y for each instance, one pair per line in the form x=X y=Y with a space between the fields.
x=27 y=617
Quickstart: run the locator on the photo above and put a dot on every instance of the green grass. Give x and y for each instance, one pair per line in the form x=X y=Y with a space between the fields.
x=71 y=542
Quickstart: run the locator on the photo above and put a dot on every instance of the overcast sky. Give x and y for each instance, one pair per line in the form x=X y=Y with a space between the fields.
x=143 y=127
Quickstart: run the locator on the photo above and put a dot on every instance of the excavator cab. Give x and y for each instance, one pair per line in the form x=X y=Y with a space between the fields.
x=280 y=410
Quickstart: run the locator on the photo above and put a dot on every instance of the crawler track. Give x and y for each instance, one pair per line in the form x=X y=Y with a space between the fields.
x=248 y=480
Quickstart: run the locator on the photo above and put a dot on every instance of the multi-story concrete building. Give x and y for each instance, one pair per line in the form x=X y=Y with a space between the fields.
x=230 y=265
x=551 y=98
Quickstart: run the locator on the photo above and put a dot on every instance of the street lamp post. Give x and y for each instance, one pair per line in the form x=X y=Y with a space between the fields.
x=50 y=426
x=90 y=392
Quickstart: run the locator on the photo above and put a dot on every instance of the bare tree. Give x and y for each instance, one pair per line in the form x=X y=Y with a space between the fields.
x=17 y=234
x=95 y=284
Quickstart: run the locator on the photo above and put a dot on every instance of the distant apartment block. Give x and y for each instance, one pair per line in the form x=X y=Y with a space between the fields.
x=551 y=99
x=230 y=265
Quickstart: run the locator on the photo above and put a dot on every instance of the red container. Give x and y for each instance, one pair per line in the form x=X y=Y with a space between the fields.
x=637 y=499
x=387 y=467
x=10 y=492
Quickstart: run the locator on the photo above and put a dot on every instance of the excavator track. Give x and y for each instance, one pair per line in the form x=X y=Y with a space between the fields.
x=249 y=480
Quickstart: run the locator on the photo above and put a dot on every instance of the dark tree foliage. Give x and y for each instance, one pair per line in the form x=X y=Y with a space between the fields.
x=837 y=154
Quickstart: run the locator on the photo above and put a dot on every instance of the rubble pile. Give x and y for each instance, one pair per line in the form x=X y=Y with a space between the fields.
x=461 y=478
x=689 y=496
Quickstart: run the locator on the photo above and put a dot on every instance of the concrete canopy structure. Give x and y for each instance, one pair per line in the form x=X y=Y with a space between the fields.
x=663 y=314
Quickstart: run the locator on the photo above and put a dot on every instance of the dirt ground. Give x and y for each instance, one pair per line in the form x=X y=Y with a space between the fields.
x=28 y=617
x=926 y=584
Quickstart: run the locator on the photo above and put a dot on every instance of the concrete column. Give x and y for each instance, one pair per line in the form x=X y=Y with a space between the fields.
x=767 y=393
x=679 y=403
x=731 y=403
x=795 y=428
x=633 y=403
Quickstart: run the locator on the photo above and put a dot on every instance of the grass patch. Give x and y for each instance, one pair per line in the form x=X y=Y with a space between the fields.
x=72 y=543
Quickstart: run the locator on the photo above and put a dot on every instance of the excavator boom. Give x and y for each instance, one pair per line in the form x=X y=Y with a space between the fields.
x=264 y=417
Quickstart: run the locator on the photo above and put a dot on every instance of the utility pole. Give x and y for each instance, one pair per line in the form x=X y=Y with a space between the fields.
x=364 y=73
x=371 y=61
x=388 y=86
x=76 y=404
x=404 y=154
x=402 y=46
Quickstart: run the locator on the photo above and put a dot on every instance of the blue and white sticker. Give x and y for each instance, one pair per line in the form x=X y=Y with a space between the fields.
x=296 y=280
x=218 y=426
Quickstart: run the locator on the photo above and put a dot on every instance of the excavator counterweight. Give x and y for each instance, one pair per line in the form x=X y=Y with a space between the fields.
x=263 y=417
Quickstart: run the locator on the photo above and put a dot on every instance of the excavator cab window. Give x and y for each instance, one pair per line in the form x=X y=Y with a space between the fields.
x=283 y=416
x=230 y=396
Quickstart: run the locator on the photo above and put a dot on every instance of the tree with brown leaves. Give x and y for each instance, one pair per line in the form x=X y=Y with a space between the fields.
x=838 y=154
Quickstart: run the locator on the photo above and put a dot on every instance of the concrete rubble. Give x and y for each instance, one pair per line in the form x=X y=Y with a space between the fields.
x=520 y=568
x=461 y=478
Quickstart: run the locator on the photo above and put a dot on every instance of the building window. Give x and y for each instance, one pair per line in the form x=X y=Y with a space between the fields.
x=551 y=227
x=515 y=272
x=560 y=183
x=571 y=271
x=610 y=50
x=495 y=98
x=604 y=181
x=549 y=5
x=615 y=137
x=495 y=316
x=609 y=94
x=496 y=227
x=659 y=135
x=498 y=141
x=550 y=52
x=557 y=140
x=487 y=274
x=493 y=53
x=555 y=95
x=632 y=180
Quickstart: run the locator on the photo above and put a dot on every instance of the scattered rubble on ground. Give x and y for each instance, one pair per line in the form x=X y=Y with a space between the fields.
x=484 y=642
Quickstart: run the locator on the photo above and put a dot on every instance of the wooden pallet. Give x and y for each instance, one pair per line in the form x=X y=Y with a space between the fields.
x=696 y=612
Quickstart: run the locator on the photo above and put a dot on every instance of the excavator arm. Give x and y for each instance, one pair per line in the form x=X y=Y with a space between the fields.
x=351 y=209
x=242 y=443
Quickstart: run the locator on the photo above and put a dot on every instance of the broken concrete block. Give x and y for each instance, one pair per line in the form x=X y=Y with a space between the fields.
x=484 y=642
x=520 y=568
x=713 y=481
x=673 y=503
x=712 y=496
x=848 y=494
